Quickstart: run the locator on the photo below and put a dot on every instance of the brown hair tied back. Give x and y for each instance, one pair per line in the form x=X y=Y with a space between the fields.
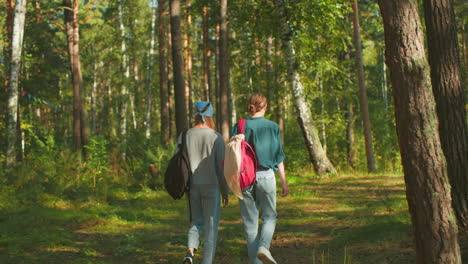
x=256 y=103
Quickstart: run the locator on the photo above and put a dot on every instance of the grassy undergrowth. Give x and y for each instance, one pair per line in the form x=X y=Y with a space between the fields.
x=339 y=219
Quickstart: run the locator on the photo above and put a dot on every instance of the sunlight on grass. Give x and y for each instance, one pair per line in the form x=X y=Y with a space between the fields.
x=342 y=219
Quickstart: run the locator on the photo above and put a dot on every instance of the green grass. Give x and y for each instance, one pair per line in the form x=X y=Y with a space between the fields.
x=335 y=219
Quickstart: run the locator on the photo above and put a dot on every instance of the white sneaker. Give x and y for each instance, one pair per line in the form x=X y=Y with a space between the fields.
x=188 y=258
x=265 y=256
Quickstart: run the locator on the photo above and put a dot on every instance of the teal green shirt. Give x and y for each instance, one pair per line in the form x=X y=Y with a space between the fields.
x=264 y=136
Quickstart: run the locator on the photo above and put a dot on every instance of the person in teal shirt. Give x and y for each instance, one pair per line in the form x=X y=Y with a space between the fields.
x=260 y=198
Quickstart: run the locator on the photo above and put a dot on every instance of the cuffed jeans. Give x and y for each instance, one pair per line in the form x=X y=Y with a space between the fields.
x=259 y=201
x=205 y=207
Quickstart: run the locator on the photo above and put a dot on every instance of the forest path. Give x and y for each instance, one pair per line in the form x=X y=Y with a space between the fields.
x=337 y=219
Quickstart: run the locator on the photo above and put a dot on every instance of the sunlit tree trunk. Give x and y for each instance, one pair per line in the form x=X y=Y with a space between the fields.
x=208 y=90
x=279 y=89
x=317 y=155
x=450 y=100
x=163 y=82
x=93 y=99
x=217 y=80
x=188 y=56
x=323 y=127
x=170 y=86
x=362 y=91
x=350 y=143
x=124 y=92
x=424 y=166
x=15 y=62
x=178 y=67
x=224 y=71
x=149 y=79
x=270 y=87
x=72 y=30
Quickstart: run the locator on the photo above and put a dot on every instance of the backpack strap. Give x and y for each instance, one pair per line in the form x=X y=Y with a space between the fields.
x=241 y=126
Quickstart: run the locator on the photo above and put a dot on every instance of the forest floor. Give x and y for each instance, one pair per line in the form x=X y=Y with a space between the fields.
x=339 y=219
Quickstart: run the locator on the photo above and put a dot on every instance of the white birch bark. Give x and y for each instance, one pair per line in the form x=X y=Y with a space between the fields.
x=317 y=155
x=149 y=90
x=17 y=45
x=125 y=99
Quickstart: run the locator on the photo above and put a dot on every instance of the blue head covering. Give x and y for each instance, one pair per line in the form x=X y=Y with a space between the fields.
x=200 y=106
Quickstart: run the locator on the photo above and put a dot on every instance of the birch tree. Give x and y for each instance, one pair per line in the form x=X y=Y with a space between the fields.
x=149 y=79
x=317 y=155
x=15 y=62
x=124 y=91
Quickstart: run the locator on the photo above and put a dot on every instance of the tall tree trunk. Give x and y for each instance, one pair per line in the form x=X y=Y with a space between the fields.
x=350 y=145
x=163 y=82
x=424 y=166
x=178 y=67
x=362 y=91
x=72 y=30
x=149 y=79
x=170 y=86
x=219 y=117
x=279 y=90
x=188 y=64
x=93 y=100
x=10 y=8
x=312 y=142
x=224 y=71
x=323 y=127
x=450 y=101
x=208 y=90
x=15 y=62
x=124 y=93
x=270 y=87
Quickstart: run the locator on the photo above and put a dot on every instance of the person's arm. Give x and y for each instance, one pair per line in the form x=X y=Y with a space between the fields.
x=219 y=156
x=284 y=183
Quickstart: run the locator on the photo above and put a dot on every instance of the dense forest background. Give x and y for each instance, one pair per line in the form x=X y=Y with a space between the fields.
x=137 y=90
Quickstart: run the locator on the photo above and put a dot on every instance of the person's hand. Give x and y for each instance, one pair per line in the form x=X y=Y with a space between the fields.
x=285 y=190
x=225 y=201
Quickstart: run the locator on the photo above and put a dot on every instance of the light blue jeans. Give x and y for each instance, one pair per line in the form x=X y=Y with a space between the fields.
x=259 y=201
x=205 y=207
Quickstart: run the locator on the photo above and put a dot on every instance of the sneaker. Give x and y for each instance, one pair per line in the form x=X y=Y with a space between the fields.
x=188 y=258
x=265 y=256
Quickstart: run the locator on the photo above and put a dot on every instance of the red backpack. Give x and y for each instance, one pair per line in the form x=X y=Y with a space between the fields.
x=240 y=162
x=249 y=163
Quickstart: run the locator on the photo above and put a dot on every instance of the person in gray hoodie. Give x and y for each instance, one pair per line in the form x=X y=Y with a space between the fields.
x=205 y=149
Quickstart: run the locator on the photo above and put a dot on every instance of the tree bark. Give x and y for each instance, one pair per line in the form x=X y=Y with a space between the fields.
x=188 y=56
x=362 y=92
x=224 y=71
x=317 y=155
x=217 y=80
x=208 y=89
x=170 y=86
x=350 y=145
x=424 y=166
x=72 y=31
x=15 y=62
x=149 y=80
x=163 y=82
x=450 y=101
x=124 y=93
x=178 y=68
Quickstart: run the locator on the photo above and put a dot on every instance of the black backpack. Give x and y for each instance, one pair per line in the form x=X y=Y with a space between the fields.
x=178 y=172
